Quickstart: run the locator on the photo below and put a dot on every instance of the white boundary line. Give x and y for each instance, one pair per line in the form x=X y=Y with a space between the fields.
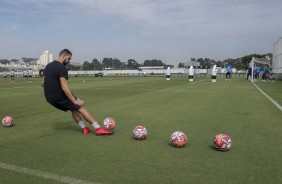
x=269 y=98
x=13 y=88
x=62 y=179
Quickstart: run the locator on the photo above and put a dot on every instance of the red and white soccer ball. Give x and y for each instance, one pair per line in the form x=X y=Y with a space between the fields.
x=7 y=121
x=222 y=142
x=178 y=139
x=139 y=132
x=109 y=123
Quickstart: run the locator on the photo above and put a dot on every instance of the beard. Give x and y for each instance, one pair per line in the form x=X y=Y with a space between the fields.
x=66 y=64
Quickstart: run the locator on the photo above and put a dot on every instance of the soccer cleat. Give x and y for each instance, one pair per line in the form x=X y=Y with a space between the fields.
x=85 y=130
x=102 y=131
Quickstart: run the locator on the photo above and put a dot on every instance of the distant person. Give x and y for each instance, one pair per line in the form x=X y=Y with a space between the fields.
x=257 y=72
x=271 y=75
x=12 y=75
x=59 y=95
x=191 y=73
x=4 y=74
x=214 y=73
x=168 y=73
x=30 y=73
x=228 y=72
x=265 y=72
x=25 y=73
x=249 y=74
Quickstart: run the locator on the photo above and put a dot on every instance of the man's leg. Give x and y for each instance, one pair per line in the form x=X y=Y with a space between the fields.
x=76 y=116
x=90 y=119
x=78 y=119
x=86 y=115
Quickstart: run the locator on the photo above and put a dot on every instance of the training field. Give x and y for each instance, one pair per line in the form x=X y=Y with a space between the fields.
x=46 y=146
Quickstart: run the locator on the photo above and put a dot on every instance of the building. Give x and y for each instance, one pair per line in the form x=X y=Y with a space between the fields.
x=45 y=58
x=277 y=59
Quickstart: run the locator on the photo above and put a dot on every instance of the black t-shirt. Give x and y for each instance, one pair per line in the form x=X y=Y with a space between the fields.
x=52 y=86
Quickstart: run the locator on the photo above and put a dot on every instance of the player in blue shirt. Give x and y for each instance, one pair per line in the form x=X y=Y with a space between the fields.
x=257 y=71
x=228 y=72
x=265 y=71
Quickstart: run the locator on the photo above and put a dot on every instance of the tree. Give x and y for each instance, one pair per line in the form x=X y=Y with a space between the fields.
x=107 y=63
x=87 y=66
x=28 y=60
x=248 y=58
x=4 y=61
x=96 y=65
x=14 y=60
x=73 y=67
x=181 y=65
x=153 y=62
x=113 y=63
x=201 y=61
x=132 y=64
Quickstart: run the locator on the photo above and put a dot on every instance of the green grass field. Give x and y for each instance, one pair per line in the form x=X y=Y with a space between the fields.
x=45 y=140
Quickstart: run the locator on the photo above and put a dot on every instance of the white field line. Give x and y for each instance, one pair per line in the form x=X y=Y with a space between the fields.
x=13 y=88
x=59 y=178
x=269 y=98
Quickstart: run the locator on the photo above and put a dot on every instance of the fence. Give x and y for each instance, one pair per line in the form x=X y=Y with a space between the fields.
x=175 y=72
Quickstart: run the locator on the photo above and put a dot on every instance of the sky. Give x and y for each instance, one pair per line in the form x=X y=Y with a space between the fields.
x=170 y=30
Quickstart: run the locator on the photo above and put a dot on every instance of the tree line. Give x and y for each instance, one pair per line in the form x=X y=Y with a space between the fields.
x=116 y=64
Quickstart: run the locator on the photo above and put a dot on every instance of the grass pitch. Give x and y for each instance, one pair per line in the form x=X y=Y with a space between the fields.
x=47 y=140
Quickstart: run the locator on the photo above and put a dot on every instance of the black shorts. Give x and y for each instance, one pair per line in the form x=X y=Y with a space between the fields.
x=65 y=105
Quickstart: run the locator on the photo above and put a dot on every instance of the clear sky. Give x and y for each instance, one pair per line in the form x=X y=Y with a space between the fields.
x=170 y=30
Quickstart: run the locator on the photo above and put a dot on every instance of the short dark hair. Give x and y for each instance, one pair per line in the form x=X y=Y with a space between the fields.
x=65 y=52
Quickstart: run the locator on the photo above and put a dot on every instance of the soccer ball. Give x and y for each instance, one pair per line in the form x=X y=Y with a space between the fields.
x=109 y=123
x=222 y=142
x=178 y=139
x=7 y=121
x=139 y=132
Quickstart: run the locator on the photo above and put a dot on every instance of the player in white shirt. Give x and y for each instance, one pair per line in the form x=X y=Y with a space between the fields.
x=214 y=73
x=168 y=73
x=191 y=74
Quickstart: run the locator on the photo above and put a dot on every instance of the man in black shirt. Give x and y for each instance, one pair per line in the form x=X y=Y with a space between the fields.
x=58 y=94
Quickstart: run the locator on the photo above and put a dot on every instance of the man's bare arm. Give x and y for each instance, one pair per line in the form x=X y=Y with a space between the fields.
x=68 y=93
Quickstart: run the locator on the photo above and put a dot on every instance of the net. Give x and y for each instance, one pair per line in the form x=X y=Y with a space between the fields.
x=264 y=61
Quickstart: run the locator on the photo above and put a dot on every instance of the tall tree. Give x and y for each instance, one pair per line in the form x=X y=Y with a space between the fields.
x=181 y=65
x=87 y=66
x=132 y=64
x=96 y=65
x=153 y=62
x=4 y=61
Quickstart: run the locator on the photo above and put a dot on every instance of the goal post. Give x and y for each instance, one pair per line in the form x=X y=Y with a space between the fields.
x=264 y=61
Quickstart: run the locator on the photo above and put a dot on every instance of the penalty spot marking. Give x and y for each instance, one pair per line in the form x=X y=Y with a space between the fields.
x=269 y=98
x=47 y=175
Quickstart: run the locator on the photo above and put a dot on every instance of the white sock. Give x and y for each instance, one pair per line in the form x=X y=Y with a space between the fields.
x=96 y=125
x=82 y=124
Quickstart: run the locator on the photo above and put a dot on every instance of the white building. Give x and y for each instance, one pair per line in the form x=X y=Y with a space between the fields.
x=45 y=58
x=277 y=58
